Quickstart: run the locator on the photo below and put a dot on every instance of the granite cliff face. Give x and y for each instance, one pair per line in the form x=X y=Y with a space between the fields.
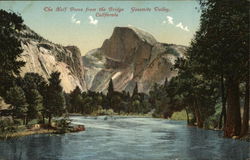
x=130 y=55
x=43 y=57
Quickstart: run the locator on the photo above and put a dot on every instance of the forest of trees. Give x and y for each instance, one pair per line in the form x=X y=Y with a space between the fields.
x=120 y=102
x=216 y=67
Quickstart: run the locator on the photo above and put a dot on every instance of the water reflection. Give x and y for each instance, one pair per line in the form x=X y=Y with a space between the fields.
x=127 y=139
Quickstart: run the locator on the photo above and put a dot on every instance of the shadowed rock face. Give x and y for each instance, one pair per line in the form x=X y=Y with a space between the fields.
x=130 y=55
x=126 y=46
x=44 y=57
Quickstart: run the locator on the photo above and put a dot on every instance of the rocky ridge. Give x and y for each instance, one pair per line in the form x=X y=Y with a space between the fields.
x=130 y=56
x=43 y=57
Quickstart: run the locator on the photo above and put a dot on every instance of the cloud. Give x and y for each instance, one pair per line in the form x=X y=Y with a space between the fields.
x=186 y=29
x=180 y=25
x=74 y=20
x=93 y=21
x=170 y=20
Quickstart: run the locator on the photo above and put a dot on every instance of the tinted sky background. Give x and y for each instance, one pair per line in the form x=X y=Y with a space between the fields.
x=66 y=29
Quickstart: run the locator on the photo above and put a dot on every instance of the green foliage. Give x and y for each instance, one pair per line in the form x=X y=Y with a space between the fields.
x=116 y=103
x=158 y=98
x=30 y=96
x=6 y=125
x=111 y=86
x=110 y=89
x=63 y=124
x=182 y=115
x=213 y=120
x=34 y=81
x=192 y=91
x=218 y=53
x=220 y=49
x=75 y=100
x=35 y=88
x=136 y=106
x=55 y=101
x=98 y=103
x=16 y=97
x=6 y=82
x=10 y=49
x=105 y=112
x=135 y=91
x=35 y=104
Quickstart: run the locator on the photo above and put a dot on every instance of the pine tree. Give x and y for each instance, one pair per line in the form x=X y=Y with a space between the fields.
x=135 y=91
x=10 y=50
x=110 y=87
x=35 y=104
x=166 y=83
x=110 y=93
x=16 y=97
x=75 y=100
x=35 y=88
x=55 y=98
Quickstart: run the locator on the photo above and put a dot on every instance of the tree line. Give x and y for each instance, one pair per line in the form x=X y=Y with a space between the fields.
x=216 y=67
x=120 y=102
x=32 y=97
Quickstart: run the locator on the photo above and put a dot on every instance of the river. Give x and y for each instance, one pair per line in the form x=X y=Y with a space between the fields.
x=127 y=138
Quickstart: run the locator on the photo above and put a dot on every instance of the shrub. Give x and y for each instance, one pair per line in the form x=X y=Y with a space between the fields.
x=6 y=125
x=63 y=125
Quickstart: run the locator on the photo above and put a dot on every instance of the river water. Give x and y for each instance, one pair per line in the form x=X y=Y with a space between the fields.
x=127 y=138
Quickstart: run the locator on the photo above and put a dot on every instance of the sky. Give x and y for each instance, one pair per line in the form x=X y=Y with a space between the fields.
x=174 y=22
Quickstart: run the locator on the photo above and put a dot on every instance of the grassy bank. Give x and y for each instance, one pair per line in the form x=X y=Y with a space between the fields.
x=26 y=133
x=179 y=115
x=59 y=126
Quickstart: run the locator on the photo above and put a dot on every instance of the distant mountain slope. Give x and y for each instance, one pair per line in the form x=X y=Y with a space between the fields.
x=43 y=57
x=130 y=55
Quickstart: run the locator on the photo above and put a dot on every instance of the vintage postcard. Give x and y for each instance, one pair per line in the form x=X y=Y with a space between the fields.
x=124 y=80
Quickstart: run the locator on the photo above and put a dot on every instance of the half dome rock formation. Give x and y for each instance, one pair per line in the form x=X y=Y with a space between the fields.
x=130 y=56
x=44 y=57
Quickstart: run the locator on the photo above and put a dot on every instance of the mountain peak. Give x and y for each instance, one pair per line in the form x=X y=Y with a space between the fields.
x=125 y=42
x=130 y=56
x=143 y=35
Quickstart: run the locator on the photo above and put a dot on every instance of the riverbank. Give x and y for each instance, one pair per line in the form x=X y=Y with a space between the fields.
x=27 y=133
x=245 y=138
x=60 y=126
